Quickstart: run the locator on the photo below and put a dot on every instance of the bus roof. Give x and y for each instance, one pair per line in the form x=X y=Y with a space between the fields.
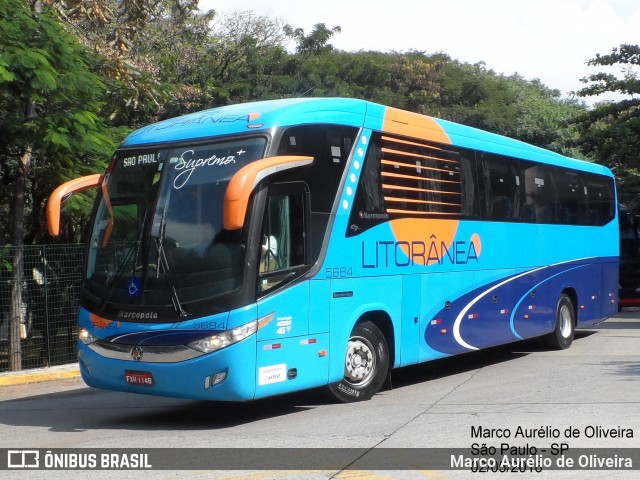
x=240 y=118
x=264 y=115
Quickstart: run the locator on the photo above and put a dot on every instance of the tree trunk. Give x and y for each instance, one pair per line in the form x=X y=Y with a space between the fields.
x=17 y=238
x=17 y=280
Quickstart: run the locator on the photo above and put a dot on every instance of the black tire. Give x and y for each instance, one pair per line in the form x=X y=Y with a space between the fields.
x=366 y=365
x=562 y=336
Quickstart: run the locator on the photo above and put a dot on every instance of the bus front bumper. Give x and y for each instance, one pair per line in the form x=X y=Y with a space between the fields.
x=227 y=374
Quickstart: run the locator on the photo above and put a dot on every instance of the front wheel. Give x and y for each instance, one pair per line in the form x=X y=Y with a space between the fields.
x=562 y=336
x=366 y=365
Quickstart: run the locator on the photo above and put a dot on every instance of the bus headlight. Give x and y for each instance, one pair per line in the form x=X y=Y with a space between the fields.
x=85 y=336
x=224 y=339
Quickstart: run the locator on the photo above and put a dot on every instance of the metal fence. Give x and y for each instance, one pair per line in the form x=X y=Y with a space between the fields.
x=47 y=307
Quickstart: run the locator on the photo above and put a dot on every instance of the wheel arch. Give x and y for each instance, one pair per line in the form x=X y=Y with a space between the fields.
x=382 y=320
x=573 y=296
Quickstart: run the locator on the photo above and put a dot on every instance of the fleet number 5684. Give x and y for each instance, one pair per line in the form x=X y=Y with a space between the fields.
x=339 y=272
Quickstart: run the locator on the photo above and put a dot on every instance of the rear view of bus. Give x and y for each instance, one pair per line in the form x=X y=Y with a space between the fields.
x=264 y=248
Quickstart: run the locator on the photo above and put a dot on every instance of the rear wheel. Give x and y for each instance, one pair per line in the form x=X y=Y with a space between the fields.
x=562 y=336
x=366 y=365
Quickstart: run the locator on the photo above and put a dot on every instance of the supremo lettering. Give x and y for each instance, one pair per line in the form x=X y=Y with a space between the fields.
x=383 y=253
x=187 y=164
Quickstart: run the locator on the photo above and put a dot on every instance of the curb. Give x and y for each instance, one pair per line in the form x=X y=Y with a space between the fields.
x=39 y=375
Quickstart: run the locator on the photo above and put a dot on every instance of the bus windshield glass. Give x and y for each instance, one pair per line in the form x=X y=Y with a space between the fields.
x=157 y=238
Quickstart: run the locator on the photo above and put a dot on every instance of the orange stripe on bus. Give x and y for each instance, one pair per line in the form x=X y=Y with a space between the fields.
x=414 y=166
x=414 y=177
x=414 y=125
x=415 y=200
x=388 y=186
x=417 y=155
x=408 y=142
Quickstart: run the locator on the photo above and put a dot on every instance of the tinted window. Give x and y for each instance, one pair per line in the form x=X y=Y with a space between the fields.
x=600 y=193
x=330 y=146
x=420 y=179
x=572 y=198
x=410 y=178
x=283 y=247
x=501 y=195
x=540 y=196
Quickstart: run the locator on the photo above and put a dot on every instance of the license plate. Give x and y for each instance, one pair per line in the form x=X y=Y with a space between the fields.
x=133 y=377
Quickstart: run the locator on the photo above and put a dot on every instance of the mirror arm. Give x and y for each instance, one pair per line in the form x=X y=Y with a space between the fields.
x=60 y=194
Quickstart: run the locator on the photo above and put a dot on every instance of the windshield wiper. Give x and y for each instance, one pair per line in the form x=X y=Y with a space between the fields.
x=111 y=283
x=135 y=247
x=163 y=261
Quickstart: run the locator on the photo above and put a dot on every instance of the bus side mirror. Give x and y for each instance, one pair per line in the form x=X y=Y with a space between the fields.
x=64 y=191
x=236 y=198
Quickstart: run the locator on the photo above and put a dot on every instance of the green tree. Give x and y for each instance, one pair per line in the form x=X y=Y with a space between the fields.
x=610 y=132
x=244 y=58
x=315 y=43
x=49 y=101
x=415 y=77
x=508 y=105
x=120 y=33
x=204 y=60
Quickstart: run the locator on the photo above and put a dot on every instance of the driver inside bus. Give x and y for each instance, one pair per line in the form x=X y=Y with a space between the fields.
x=268 y=254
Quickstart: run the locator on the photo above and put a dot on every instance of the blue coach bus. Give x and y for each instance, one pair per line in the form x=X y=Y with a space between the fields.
x=263 y=248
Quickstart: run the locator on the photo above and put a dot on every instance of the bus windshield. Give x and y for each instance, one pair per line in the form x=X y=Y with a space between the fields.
x=157 y=237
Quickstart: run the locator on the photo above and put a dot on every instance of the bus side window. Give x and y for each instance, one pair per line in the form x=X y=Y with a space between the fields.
x=283 y=248
x=501 y=192
x=541 y=200
x=600 y=199
x=572 y=198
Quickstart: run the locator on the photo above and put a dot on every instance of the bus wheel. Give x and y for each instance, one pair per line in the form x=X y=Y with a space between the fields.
x=562 y=335
x=365 y=366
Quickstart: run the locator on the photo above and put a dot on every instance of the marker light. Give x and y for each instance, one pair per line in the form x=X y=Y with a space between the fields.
x=224 y=339
x=85 y=337
x=218 y=377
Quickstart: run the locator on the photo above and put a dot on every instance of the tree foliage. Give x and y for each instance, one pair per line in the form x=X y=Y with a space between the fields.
x=138 y=61
x=50 y=102
x=119 y=32
x=610 y=132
